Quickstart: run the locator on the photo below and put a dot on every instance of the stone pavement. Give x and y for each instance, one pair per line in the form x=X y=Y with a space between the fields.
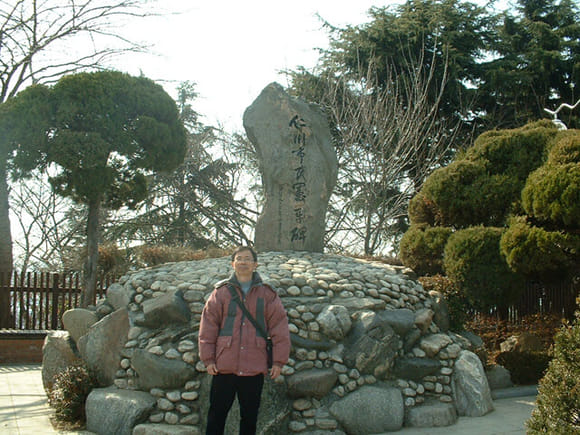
x=23 y=405
x=24 y=409
x=513 y=407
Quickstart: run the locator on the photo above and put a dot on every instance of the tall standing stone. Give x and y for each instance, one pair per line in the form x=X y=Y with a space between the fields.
x=298 y=166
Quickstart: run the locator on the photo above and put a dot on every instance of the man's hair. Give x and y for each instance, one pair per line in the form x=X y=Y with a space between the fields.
x=242 y=249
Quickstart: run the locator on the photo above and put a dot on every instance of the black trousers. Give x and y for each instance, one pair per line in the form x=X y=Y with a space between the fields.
x=224 y=389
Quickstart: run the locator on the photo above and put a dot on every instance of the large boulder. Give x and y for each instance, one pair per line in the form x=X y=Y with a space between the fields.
x=101 y=346
x=524 y=342
x=370 y=410
x=373 y=345
x=58 y=353
x=470 y=387
x=155 y=371
x=431 y=415
x=335 y=321
x=298 y=166
x=165 y=310
x=114 y=411
x=311 y=383
x=77 y=322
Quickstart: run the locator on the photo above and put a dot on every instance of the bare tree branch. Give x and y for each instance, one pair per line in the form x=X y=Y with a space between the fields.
x=42 y=31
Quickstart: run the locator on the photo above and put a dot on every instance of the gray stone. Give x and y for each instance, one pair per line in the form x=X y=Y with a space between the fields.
x=402 y=321
x=334 y=320
x=360 y=304
x=58 y=353
x=411 y=339
x=165 y=429
x=166 y=309
x=524 y=342
x=470 y=388
x=118 y=296
x=101 y=346
x=415 y=368
x=431 y=415
x=78 y=321
x=441 y=310
x=298 y=166
x=498 y=377
x=311 y=383
x=159 y=372
x=112 y=411
x=373 y=346
x=475 y=340
x=424 y=318
x=370 y=410
x=433 y=343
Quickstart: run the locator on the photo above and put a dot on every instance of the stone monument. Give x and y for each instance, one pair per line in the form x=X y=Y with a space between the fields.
x=298 y=166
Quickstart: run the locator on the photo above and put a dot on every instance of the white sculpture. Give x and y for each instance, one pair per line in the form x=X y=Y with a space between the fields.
x=554 y=113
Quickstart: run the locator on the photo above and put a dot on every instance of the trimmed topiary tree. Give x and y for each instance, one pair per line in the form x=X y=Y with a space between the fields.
x=525 y=183
x=558 y=403
x=421 y=248
x=473 y=262
x=545 y=241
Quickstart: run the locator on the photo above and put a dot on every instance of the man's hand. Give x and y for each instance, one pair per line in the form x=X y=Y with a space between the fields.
x=275 y=371
x=212 y=369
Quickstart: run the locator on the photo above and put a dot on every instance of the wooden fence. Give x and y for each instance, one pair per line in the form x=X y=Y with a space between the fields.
x=36 y=300
x=539 y=298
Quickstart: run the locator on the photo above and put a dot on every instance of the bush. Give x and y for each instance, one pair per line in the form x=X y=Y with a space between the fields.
x=69 y=393
x=558 y=403
x=552 y=194
x=525 y=367
x=536 y=252
x=421 y=248
x=514 y=152
x=473 y=262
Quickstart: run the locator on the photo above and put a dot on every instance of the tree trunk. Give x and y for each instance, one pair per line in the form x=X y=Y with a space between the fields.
x=5 y=234
x=5 y=249
x=88 y=295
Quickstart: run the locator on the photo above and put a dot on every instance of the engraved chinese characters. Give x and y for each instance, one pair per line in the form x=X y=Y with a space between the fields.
x=298 y=166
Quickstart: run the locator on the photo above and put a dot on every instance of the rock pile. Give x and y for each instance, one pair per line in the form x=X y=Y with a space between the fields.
x=364 y=344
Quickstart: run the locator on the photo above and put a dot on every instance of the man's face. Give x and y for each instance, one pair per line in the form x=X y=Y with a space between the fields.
x=244 y=263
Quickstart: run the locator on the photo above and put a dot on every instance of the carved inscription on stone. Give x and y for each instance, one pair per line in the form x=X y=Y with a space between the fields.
x=298 y=167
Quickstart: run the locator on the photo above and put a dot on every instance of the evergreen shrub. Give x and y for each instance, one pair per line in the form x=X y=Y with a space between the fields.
x=472 y=260
x=421 y=248
x=69 y=393
x=558 y=403
x=525 y=368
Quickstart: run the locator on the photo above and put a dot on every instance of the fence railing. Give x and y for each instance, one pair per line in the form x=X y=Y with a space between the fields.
x=539 y=298
x=37 y=300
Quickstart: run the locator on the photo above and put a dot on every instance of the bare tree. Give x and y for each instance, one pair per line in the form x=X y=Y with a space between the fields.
x=46 y=230
x=39 y=42
x=388 y=139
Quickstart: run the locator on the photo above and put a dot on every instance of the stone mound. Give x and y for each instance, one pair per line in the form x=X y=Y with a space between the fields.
x=363 y=334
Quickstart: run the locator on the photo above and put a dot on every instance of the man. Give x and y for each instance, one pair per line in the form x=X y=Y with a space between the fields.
x=233 y=350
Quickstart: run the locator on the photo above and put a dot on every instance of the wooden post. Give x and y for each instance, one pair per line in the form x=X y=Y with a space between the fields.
x=5 y=315
x=55 y=297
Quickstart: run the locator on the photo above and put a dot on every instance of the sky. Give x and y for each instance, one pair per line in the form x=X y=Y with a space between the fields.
x=232 y=49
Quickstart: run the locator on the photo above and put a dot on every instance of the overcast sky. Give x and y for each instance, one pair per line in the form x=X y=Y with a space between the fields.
x=232 y=49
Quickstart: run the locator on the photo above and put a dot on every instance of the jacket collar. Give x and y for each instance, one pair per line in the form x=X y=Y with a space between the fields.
x=256 y=280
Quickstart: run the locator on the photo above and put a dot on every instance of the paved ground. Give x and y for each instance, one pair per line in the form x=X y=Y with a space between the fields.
x=24 y=409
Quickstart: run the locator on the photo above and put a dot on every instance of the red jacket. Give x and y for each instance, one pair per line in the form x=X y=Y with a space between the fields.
x=229 y=340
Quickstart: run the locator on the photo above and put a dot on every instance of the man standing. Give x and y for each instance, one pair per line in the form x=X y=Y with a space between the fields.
x=233 y=350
